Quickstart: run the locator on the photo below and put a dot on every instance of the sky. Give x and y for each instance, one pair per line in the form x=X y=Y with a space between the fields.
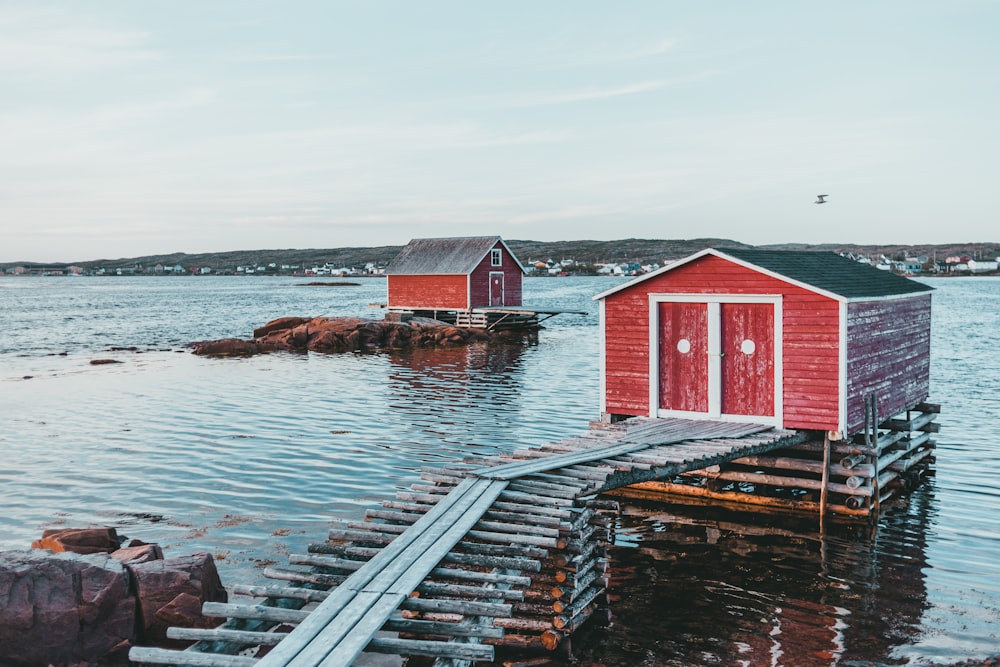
x=137 y=128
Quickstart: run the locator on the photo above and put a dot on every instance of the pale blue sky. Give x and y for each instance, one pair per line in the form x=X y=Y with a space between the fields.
x=131 y=128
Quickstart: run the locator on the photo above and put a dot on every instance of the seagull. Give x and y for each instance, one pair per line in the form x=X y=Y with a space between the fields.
x=821 y=199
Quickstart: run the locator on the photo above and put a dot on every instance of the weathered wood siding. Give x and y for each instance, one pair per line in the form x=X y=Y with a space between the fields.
x=810 y=345
x=428 y=291
x=479 y=284
x=889 y=353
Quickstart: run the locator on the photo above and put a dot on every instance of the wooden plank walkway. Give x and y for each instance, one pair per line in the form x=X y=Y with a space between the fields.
x=507 y=514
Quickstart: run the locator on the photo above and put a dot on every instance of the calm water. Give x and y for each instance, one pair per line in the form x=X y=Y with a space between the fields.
x=250 y=459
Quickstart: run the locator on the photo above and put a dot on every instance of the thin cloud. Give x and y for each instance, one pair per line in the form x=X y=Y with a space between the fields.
x=280 y=57
x=41 y=43
x=543 y=99
x=657 y=49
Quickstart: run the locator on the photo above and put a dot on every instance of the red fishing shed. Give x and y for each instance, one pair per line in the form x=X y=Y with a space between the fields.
x=789 y=338
x=454 y=274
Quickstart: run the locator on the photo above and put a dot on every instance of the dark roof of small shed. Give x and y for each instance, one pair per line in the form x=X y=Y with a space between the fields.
x=820 y=271
x=444 y=256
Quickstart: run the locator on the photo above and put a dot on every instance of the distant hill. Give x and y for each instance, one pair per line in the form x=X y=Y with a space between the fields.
x=584 y=251
x=976 y=250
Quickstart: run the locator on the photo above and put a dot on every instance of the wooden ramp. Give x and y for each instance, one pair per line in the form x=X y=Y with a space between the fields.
x=506 y=550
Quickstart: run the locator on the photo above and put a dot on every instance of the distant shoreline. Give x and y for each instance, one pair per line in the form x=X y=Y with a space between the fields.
x=585 y=253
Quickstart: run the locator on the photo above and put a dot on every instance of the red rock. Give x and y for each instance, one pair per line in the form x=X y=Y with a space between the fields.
x=79 y=540
x=326 y=341
x=184 y=611
x=278 y=325
x=140 y=553
x=396 y=335
x=299 y=336
x=159 y=583
x=63 y=608
x=226 y=347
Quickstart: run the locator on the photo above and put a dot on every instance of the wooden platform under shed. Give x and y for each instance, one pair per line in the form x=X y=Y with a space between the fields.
x=491 y=319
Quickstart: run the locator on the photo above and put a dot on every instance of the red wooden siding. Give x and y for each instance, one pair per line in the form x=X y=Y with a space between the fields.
x=810 y=347
x=683 y=356
x=428 y=291
x=889 y=347
x=479 y=284
x=747 y=358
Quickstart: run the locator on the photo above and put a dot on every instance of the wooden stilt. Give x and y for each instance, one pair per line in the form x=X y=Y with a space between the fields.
x=825 y=482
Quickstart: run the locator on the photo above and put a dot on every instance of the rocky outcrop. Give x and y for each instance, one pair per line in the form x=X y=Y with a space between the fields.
x=226 y=347
x=171 y=592
x=344 y=334
x=79 y=540
x=64 y=608
x=85 y=601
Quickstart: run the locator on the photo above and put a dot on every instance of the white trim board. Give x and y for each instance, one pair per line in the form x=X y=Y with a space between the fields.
x=713 y=302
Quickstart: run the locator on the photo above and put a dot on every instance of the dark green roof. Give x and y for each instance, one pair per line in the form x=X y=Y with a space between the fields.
x=829 y=272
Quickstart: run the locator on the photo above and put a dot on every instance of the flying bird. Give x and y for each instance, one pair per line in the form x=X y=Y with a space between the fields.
x=821 y=199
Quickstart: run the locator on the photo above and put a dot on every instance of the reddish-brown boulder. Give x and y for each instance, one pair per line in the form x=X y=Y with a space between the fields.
x=184 y=611
x=279 y=324
x=299 y=336
x=63 y=608
x=226 y=347
x=396 y=335
x=79 y=540
x=140 y=553
x=160 y=582
x=326 y=340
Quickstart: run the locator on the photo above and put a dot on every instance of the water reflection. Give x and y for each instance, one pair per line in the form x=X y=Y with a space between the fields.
x=458 y=399
x=749 y=588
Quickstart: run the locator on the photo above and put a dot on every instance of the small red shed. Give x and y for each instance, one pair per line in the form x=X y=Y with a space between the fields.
x=789 y=338
x=454 y=274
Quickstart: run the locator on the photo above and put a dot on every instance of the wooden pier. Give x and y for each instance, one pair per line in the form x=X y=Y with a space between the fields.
x=491 y=318
x=498 y=551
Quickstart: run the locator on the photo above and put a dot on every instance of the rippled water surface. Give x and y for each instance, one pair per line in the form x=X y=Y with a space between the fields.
x=250 y=459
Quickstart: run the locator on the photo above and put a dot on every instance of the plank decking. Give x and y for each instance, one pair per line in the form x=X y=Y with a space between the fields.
x=488 y=524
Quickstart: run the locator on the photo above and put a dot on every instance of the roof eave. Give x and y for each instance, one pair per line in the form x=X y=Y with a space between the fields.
x=759 y=269
x=653 y=274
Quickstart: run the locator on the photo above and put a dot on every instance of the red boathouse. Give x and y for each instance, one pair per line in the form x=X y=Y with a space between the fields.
x=794 y=339
x=454 y=274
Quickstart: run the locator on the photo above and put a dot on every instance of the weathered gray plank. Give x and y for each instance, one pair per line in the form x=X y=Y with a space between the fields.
x=442 y=628
x=432 y=649
x=520 y=469
x=162 y=656
x=347 y=648
x=221 y=634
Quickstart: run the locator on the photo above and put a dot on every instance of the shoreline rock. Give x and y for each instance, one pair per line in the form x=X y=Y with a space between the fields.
x=79 y=597
x=346 y=334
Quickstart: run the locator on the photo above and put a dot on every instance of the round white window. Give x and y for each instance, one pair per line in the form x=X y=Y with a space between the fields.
x=747 y=347
x=683 y=346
